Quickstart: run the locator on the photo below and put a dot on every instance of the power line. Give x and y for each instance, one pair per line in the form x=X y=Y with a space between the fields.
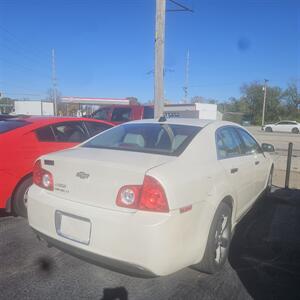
x=181 y=7
x=24 y=67
x=6 y=83
x=18 y=52
x=22 y=43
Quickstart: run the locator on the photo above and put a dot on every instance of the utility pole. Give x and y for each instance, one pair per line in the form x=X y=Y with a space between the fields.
x=54 y=84
x=159 y=58
x=264 y=104
x=186 y=86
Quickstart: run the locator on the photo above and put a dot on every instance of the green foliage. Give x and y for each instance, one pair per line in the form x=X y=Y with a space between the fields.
x=6 y=105
x=279 y=104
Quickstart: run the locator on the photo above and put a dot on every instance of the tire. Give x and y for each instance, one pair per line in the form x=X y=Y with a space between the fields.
x=217 y=247
x=269 y=129
x=19 y=204
x=295 y=130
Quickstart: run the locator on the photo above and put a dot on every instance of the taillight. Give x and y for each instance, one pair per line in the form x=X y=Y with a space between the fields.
x=42 y=177
x=153 y=196
x=128 y=196
x=150 y=196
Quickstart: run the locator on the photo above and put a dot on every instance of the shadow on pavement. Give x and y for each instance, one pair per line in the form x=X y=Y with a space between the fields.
x=119 y=293
x=3 y=213
x=265 y=250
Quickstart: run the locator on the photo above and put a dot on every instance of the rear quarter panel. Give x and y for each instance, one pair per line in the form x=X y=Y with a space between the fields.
x=195 y=178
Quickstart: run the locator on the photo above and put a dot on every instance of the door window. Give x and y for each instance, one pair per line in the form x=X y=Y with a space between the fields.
x=121 y=114
x=148 y=112
x=101 y=114
x=228 y=143
x=72 y=132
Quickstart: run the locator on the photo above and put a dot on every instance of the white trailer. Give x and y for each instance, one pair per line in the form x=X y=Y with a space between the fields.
x=34 y=108
x=203 y=111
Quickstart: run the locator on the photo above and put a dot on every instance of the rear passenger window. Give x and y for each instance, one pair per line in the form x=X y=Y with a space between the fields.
x=228 y=143
x=250 y=145
x=45 y=134
x=72 y=132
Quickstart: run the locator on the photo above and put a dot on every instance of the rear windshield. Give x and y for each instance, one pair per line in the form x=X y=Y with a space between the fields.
x=166 y=139
x=9 y=124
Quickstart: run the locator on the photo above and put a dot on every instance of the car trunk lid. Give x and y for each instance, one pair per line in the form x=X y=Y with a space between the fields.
x=94 y=176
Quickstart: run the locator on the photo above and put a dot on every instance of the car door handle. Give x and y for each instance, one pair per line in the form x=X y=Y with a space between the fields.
x=257 y=162
x=233 y=170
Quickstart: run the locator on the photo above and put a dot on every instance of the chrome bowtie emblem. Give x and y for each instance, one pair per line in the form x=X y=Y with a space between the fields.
x=82 y=175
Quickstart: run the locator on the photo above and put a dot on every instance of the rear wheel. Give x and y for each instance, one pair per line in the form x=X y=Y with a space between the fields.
x=217 y=247
x=295 y=130
x=269 y=129
x=20 y=198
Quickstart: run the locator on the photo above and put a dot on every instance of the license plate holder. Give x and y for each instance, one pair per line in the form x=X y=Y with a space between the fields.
x=72 y=227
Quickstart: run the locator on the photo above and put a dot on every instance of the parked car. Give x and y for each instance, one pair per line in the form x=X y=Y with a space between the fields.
x=283 y=126
x=150 y=197
x=24 y=139
x=118 y=114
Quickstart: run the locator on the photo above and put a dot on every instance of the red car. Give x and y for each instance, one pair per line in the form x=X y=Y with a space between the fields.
x=24 y=139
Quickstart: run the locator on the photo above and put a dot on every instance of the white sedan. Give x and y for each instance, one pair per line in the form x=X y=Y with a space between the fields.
x=283 y=126
x=149 y=198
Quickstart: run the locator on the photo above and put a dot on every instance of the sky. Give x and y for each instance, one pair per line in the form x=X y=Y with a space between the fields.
x=105 y=48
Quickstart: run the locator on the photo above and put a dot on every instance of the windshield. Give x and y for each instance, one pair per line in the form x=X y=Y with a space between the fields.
x=8 y=125
x=163 y=139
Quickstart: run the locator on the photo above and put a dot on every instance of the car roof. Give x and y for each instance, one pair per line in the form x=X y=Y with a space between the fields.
x=53 y=119
x=185 y=121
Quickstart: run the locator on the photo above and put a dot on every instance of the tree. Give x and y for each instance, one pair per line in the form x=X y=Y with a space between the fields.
x=6 y=105
x=133 y=100
x=252 y=96
x=197 y=99
x=62 y=108
x=291 y=98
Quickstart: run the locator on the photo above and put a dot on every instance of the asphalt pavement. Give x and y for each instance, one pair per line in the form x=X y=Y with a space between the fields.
x=264 y=263
x=281 y=141
x=30 y=270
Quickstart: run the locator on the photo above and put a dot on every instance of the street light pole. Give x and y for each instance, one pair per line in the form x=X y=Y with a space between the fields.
x=159 y=58
x=264 y=104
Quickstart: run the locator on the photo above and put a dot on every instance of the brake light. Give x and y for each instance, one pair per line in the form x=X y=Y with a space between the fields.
x=150 y=196
x=153 y=196
x=42 y=177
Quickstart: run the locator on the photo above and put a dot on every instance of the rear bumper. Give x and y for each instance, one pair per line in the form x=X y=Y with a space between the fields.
x=139 y=243
x=102 y=261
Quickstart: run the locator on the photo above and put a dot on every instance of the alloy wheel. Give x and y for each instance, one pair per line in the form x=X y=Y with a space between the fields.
x=222 y=239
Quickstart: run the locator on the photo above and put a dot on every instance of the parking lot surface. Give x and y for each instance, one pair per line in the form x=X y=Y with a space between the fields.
x=280 y=142
x=264 y=263
x=30 y=270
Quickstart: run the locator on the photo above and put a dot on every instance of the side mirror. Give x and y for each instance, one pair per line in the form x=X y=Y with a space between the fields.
x=267 y=147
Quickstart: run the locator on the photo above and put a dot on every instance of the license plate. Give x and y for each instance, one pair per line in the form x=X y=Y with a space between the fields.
x=73 y=227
